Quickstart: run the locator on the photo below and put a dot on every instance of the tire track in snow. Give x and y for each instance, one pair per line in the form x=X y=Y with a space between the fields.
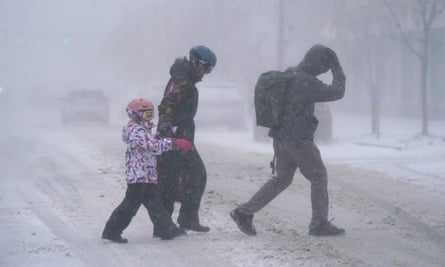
x=89 y=253
x=421 y=227
x=34 y=177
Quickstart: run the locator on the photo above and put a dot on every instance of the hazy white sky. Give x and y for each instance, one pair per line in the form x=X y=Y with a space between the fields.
x=60 y=45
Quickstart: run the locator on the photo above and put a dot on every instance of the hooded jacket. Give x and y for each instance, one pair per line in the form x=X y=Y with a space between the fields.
x=140 y=156
x=303 y=91
x=180 y=102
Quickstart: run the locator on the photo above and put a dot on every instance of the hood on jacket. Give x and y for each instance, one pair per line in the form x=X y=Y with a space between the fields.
x=317 y=60
x=181 y=68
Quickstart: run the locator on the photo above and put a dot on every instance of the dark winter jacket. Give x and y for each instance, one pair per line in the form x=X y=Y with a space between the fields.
x=180 y=102
x=303 y=91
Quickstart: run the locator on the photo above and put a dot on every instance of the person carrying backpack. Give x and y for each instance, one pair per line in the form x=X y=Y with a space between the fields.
x=293 y=139
x=183 y=175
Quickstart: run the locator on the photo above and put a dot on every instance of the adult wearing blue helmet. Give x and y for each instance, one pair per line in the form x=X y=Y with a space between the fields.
x=183 y=176
x=202 y=57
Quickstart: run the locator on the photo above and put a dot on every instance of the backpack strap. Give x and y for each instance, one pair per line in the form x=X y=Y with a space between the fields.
x=272 y=163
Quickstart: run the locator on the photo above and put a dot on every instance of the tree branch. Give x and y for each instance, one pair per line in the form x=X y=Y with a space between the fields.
x=402 y=33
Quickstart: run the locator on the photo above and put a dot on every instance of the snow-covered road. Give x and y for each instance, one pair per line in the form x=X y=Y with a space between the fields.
x=59 y=186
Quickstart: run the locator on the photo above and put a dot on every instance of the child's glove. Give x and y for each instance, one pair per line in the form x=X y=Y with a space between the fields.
x=183 y=144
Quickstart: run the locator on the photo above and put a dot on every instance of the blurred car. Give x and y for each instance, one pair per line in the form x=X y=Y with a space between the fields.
x=221 y=105
x=322 y=134
x=85 y=105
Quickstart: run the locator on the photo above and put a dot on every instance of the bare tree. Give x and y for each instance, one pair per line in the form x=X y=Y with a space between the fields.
x=423 y=14
x=367 y=32
x=362 y=30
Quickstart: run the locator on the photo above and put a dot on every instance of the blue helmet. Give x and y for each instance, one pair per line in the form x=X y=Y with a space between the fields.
x=203 y=55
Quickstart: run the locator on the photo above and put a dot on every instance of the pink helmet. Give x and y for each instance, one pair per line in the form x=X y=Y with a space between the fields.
x=140 y=104
x=137 y=107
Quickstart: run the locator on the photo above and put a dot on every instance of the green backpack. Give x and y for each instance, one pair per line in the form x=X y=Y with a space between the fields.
x=270 y=96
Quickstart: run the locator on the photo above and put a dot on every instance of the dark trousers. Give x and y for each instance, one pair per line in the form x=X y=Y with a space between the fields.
x=183 y=178
x=137 y=194
x=291 y=155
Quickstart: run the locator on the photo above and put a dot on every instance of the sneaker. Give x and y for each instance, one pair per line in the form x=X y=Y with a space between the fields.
x=115 y=239
x=173 y=233
x=195 y=227
x=244 y=222
x=326 y=229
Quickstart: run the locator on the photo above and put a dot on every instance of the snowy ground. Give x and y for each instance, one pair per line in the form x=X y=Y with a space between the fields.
x=59 y=185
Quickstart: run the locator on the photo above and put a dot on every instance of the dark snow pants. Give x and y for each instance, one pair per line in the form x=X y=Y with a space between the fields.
x=137 y=194
x=183 y=178
x=291 y=155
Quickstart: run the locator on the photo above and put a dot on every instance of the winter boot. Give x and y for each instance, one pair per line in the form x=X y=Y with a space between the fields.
x=174 y=232
x=195 y=227
x=244 y=222
x=190 y=221
x=326 y=229
x=115 y=239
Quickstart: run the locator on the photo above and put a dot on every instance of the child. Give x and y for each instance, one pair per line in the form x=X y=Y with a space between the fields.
x=141 y=175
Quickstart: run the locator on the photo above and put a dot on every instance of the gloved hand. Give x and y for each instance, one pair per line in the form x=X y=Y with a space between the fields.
x=183 y=144
x=165 y=129
x=333 y=59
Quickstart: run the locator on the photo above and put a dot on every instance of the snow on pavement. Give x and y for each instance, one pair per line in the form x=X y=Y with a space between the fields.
x=61 y=185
